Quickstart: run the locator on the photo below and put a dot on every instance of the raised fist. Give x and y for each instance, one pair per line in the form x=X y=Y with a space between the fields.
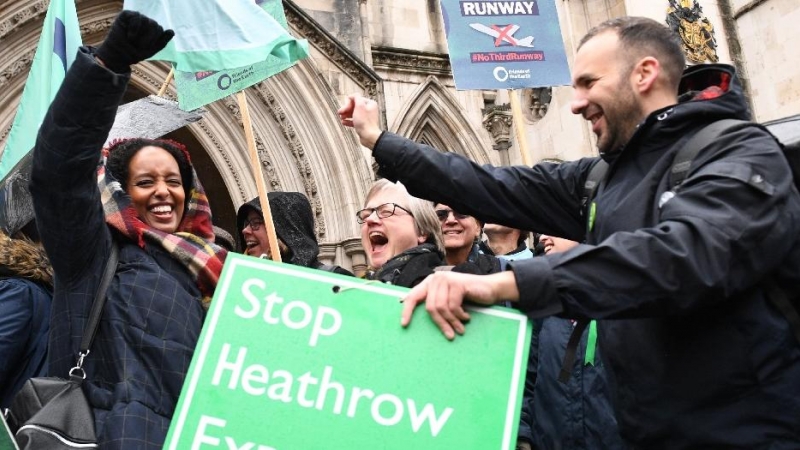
x=133 y=38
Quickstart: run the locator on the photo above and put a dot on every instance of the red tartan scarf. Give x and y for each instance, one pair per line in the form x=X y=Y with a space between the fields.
x=192 y=244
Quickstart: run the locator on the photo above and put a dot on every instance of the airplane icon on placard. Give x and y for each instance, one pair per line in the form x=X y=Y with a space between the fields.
x=503 y=34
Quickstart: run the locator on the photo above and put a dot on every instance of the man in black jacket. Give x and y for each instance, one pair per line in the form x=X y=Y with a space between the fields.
x=698 y=356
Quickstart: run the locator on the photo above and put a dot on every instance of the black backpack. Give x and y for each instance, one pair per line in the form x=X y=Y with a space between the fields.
x=786 y=133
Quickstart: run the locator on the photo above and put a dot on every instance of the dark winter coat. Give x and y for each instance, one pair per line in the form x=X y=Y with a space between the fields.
x=698 y=356
x=294 y=225
x=26 y=281
x=152 y=317
x=578 y=414
x=410 y=267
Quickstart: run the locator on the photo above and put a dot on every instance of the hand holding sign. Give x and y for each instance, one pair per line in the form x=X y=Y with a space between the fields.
x=321 y=355
x=444 y=293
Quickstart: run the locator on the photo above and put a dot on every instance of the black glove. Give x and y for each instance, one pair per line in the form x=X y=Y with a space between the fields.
x=133 y=38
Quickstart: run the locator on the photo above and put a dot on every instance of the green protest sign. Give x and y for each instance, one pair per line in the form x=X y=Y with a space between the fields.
x=201 y=88
x=295 y=358
x=7 y=441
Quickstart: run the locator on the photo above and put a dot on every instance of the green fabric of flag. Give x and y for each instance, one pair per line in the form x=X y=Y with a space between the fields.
x=57 y=48
x=218 y=34
x=196 y=89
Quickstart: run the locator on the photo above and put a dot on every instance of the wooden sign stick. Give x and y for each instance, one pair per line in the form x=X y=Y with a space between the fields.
x=272 y=237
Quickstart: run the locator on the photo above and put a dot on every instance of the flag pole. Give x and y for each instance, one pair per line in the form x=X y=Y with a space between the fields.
x=166 y=82
x=519 y=122
x=272 y=237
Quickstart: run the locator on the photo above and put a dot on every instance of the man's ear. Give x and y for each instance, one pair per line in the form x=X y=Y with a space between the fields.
x=645 y=73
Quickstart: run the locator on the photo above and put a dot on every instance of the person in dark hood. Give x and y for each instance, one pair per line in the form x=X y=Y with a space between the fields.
x=26 y=289
x=681 y=281
x=294 y=225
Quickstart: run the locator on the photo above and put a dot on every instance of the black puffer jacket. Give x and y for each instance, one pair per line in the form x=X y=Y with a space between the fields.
x=294 y=225
x=698 y=356
x=153 y=314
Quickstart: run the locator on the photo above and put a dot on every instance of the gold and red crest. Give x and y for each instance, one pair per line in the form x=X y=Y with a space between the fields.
x=685 y=17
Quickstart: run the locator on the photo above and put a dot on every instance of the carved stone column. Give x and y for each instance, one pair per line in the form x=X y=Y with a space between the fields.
x=498 y=121
x=354 y=250
x=327 y=253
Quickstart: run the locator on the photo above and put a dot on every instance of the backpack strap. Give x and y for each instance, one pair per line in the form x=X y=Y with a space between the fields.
x=596 y=174
x=680 y=169
x=97 y=310
x=702 y=139
x=571 y=353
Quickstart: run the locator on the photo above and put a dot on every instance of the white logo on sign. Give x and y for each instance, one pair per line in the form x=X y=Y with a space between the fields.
x=500 y=74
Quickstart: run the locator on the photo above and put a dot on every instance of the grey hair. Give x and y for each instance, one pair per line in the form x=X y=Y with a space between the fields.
x=425 y=221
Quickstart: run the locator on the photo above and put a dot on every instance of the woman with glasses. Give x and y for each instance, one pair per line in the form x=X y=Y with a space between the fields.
x=462 y=233
x=294 y=226
x=400 y=235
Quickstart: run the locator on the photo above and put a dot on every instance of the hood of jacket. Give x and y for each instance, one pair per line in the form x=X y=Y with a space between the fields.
x=706 y=93
x=23 y=259
x=294 y=225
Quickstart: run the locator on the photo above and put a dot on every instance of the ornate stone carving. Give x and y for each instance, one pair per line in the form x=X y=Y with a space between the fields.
x=212 y=138
x=267 y=167
x=298 y=152
x=402 y=60
x=685 y=17
x=320 y=38
x=29 y=12
x=540 y=101
x=139 y=74
x=23 y=62
x=19 y=65
x=497 y=120
x=96 y=27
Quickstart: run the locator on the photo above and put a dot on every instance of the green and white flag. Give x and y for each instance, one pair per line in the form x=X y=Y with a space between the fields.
x=196 y=89
x=218 y=34
x=58 y=45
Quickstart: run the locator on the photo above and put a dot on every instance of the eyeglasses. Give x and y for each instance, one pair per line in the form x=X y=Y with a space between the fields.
x=254 y=224
x=383 y=211
x=443 y=213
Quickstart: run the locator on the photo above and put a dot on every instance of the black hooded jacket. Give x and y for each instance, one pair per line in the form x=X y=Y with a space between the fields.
x=698 y=356
x=294 y=225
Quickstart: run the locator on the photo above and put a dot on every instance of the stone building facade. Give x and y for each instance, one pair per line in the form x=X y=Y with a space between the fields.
x=395 y=51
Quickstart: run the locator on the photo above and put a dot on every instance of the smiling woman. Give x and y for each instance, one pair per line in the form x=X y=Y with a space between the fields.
x=147 y=201
x=155 y=174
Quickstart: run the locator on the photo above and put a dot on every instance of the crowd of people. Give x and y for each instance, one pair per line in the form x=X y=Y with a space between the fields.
x=660 y=297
